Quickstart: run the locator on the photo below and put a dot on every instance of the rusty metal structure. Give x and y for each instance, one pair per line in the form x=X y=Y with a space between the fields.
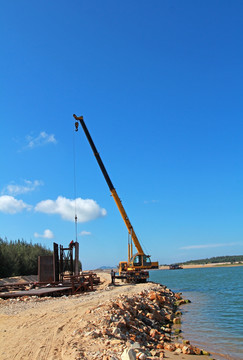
x=58 y=275
x=63 y=261
x=86 y=281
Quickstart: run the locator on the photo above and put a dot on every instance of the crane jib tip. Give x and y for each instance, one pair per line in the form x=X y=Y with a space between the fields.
x=78 y=117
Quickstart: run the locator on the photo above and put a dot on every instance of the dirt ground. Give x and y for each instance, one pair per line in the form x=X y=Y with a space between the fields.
x=50 y=328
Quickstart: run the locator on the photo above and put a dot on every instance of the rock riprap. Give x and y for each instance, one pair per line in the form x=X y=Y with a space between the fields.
x=137 y=326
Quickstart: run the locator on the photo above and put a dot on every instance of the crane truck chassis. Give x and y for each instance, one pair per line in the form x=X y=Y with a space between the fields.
x=132 y=270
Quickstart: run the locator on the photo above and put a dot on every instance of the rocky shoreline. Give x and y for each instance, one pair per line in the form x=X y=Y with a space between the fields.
x=122 y=322
x=140 y=326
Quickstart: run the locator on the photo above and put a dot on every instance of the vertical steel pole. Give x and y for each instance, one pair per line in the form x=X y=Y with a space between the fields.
x=76 y=271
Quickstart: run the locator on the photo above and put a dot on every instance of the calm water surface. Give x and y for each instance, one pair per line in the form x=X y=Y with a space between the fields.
x=214 y=319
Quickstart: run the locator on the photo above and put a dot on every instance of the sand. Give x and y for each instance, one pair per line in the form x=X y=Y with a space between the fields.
x=199 y=266
x=51 y=328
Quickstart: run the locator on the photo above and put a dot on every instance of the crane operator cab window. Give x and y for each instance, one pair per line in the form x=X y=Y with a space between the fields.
x=137 y=261
x=146 y=260
x=123 y=266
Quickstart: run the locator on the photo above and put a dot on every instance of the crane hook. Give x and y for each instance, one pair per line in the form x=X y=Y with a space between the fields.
x=76 y=125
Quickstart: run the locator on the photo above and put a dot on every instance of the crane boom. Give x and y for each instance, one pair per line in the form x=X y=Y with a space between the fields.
x=111 y=187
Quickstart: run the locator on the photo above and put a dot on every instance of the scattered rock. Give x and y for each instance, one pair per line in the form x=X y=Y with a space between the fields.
x=131 y=327
x=187 y=350
x=186 y=342
x=141 y=356
x=170 y=347
x=176 y=320
x=205 y=353
x=128 y=354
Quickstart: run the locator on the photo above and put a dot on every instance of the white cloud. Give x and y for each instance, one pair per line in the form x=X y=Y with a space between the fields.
x=10 y=205
x=42 y=139
x=13 y=189
x=86 y=209
x=85 y=233
x=48 y=234
x=206 y=246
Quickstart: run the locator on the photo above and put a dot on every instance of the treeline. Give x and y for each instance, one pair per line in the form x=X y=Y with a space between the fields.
x=19 y=257
x=216 y=259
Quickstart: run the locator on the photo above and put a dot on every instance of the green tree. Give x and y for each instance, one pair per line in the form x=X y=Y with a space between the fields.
x=19 y=257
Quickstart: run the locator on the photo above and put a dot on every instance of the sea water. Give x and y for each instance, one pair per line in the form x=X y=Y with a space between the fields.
x=214 y=319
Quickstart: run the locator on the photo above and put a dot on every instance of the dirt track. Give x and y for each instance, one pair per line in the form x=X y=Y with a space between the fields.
x=50 y=329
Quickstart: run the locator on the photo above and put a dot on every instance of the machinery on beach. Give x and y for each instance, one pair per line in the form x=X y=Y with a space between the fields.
x=132 y=270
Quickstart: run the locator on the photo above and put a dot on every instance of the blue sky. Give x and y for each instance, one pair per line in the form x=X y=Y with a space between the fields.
x=160 y=87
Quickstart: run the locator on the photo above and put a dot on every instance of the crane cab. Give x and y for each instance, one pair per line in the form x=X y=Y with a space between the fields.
x=140 y=262
x=137 y=262
x=143 y=262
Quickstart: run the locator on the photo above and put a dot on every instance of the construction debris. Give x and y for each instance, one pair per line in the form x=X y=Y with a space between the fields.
x=71 y=285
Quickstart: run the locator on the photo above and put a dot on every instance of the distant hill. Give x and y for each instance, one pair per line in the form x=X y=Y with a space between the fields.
x=215 y=260
x=106 y=267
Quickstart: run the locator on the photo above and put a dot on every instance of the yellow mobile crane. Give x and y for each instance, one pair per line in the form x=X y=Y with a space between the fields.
x=133 y=269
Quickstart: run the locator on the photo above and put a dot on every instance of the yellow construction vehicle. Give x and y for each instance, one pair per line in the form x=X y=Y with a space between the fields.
x=132 y=270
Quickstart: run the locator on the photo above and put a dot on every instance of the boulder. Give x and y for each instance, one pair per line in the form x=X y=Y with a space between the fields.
x=161 y=299
x=187 y=350
x=118 y=333
x=155 y=352
x=149 y=316
x=157 y=316
x=176 y=320
x=106 y=331
x=153 y=333
x=169 y=317
x=128 y=354
x=205 y=353
x=141 y=356
x=121 y=323
x=132 y=337
x=170 y=347
x=186 y=342
x=196 y=350
x=152 y=295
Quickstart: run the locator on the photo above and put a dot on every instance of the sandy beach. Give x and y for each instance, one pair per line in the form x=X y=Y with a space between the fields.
x=65 y=327
x=210 y=265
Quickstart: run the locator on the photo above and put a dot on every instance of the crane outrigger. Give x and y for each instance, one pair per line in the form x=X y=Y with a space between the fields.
x=133 y=269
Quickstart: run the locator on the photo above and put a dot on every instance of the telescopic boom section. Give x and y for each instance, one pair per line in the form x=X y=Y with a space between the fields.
x=111 y=187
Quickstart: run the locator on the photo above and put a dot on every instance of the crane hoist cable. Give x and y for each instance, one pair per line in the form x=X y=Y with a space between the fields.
x=140 y=260
x=75 y=188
